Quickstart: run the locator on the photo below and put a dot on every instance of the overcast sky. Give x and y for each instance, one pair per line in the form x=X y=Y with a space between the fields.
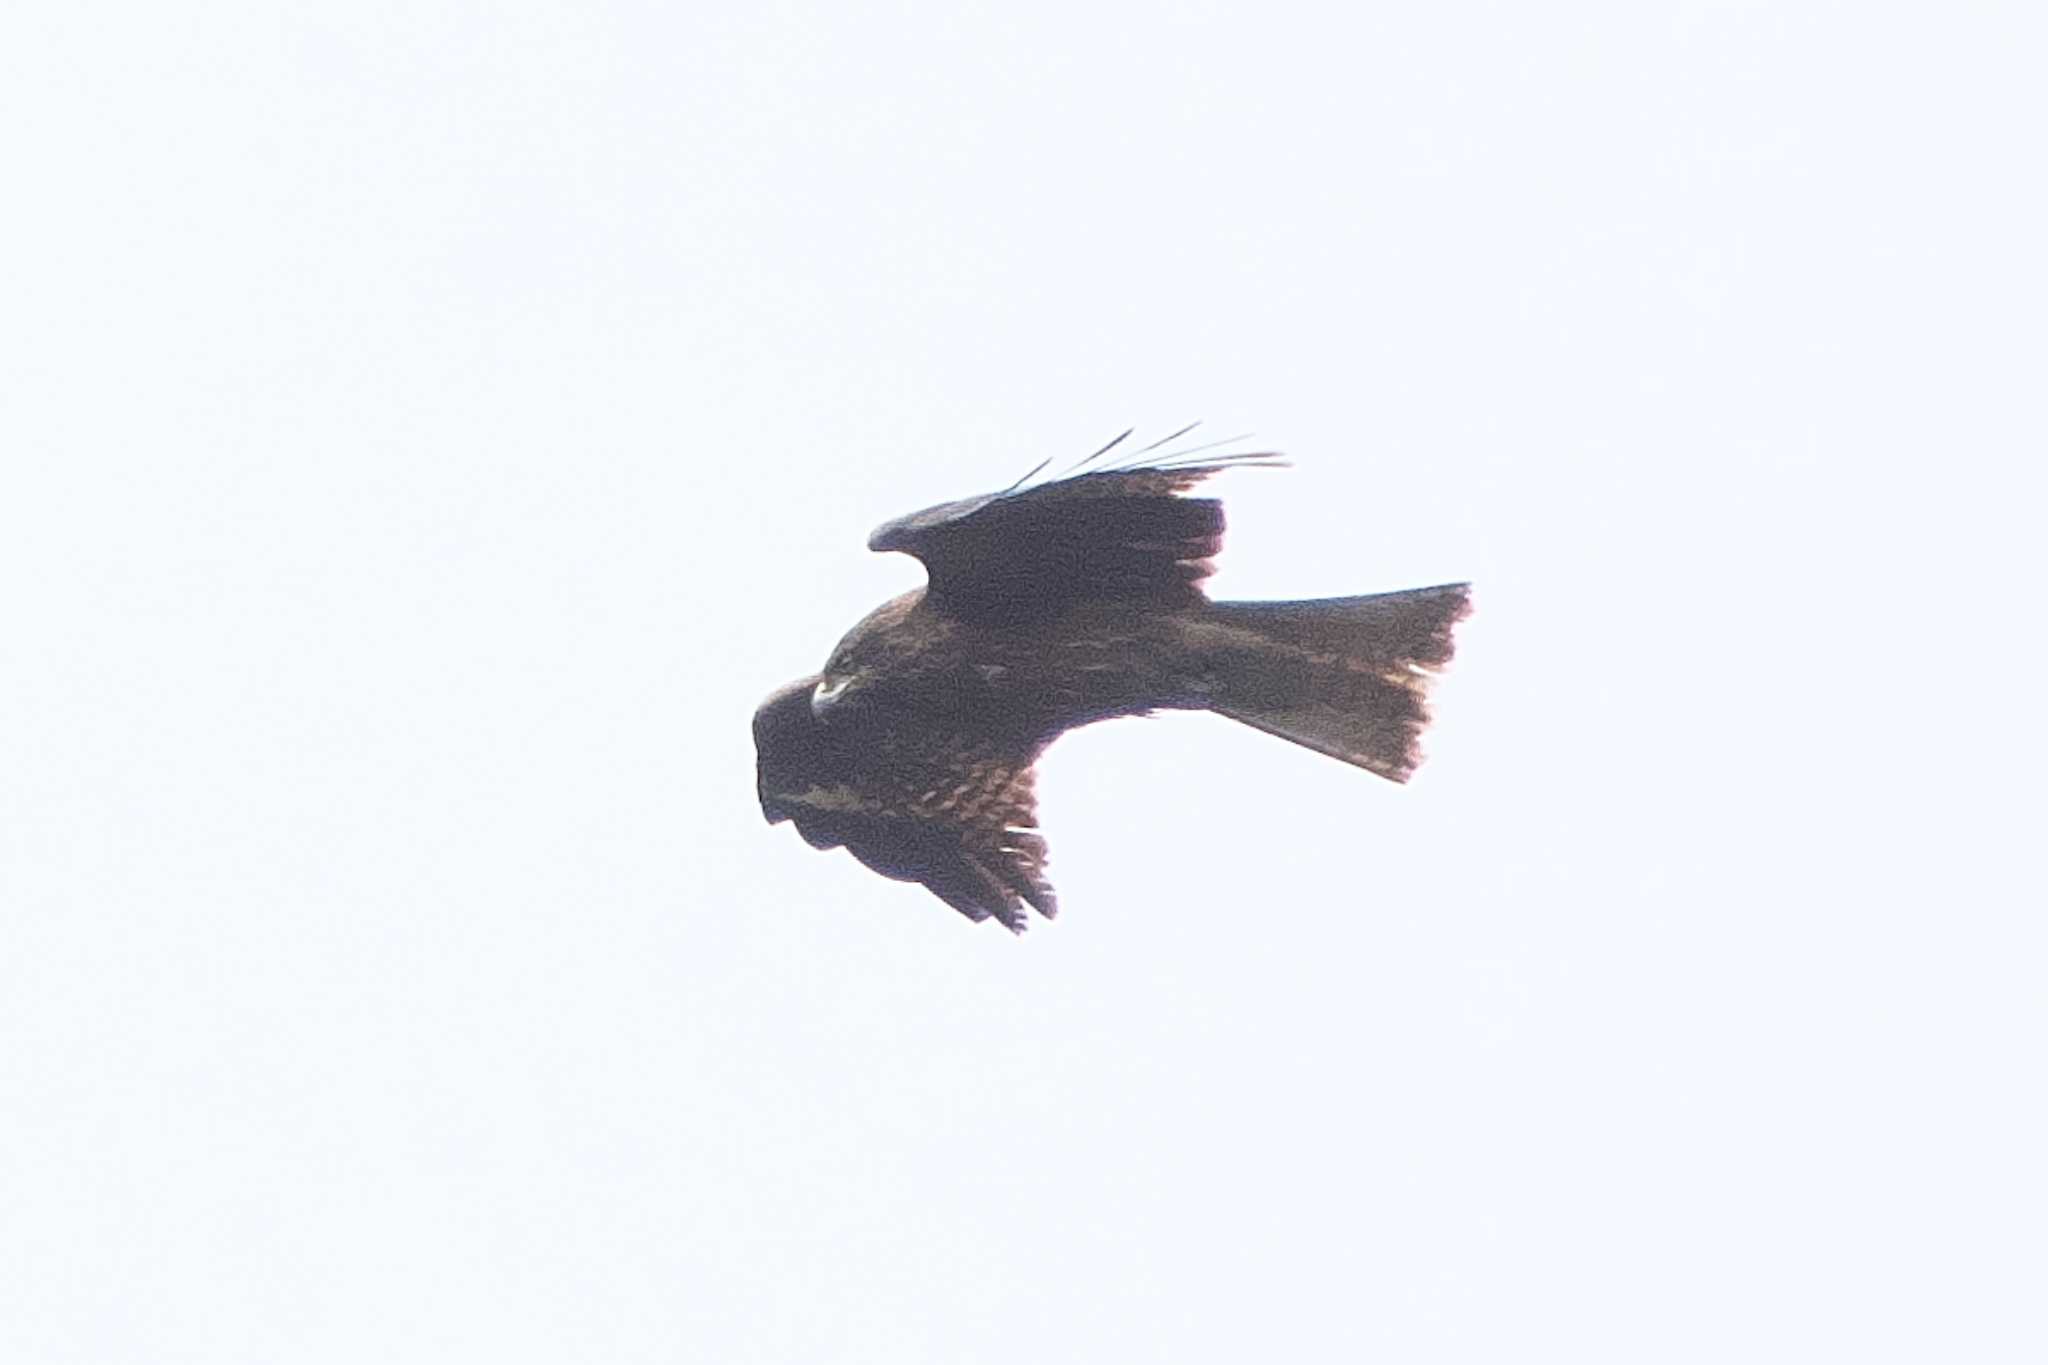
x=429 y=429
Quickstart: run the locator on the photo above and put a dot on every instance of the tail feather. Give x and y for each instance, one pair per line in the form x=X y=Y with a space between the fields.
x=1345 y=676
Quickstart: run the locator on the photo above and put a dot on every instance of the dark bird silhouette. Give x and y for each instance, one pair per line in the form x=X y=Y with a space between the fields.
x=1052 y=606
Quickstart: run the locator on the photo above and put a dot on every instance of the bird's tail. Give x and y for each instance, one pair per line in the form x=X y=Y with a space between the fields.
x=1345 y=676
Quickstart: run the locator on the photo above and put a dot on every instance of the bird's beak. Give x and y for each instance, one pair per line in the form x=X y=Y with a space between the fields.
x=826 y=694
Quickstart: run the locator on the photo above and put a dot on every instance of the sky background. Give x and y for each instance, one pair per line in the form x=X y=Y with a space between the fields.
x=430 y=429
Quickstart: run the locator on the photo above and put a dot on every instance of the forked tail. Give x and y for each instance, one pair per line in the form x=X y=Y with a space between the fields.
x=1345 y=676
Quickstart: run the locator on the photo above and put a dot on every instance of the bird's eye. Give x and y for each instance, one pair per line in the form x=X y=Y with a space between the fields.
x=827 y=693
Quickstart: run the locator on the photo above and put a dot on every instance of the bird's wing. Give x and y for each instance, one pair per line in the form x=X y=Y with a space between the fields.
x=1104 y=533
x=952 y=810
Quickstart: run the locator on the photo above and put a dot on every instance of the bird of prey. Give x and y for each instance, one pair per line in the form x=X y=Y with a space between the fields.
x=1054 y=605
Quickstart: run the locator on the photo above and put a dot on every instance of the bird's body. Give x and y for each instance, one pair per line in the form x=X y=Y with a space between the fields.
x=1064 y=604
x=1091 y=660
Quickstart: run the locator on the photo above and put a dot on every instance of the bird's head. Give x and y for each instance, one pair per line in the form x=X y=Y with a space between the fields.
x=786 y=747
x=874 y=649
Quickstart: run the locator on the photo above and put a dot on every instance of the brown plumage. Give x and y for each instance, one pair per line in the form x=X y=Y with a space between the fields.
x=1054 y=606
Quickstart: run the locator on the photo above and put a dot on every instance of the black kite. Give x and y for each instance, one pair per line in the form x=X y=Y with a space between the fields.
x=1054 y=606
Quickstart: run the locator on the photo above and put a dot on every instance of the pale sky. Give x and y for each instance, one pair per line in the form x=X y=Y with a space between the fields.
x=431 y=428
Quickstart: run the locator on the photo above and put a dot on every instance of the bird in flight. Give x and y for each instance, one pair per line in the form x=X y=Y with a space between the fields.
x=1055 y=605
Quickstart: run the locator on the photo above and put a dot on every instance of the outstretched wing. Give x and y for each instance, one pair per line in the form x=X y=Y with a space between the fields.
x=1123 y=532
x=950 y=810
